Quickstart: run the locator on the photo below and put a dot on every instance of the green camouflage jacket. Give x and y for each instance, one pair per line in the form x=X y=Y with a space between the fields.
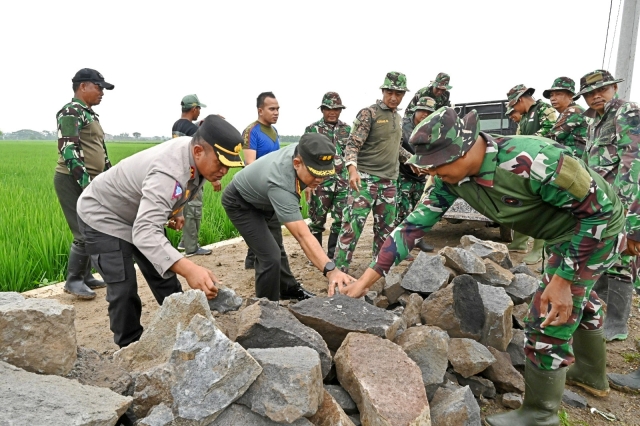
x=525 y=182
x=442 y=100
x=539 y=120
x=571 y=129
x=72 y=118
x=338 y=133
x=613 y=151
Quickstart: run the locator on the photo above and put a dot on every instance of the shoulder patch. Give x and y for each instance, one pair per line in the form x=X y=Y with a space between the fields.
x=573 y=178
x=177 y=191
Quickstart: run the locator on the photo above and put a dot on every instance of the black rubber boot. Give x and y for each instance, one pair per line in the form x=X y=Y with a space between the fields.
x=618 y=308
x=250 y=260
x=89 y=279
x=424 y=246
x=76 y=272
x=542 y=397
x=318 y=236
x=589 y=371
x=601 y=287
x=331 y=245
x=629 y=383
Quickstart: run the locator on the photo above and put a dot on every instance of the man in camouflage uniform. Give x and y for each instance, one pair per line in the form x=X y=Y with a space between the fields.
x=571 y=128
x=371 y=157
x=330 y=195
x=438 y=90
x=83 y=155
x=513 y=116
x=537 y=187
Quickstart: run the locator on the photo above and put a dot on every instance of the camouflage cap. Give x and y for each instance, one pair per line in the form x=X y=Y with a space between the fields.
x=594 y=80
x=561 y=83
x=517 y=91
x=443 y=138
x=509 y=109
x=332 y=100
x=442 y=81
x=192 y=101
x=395 y=81
x=426 y=103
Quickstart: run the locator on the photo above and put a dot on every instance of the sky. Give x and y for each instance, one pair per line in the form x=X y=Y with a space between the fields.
x=155 y=52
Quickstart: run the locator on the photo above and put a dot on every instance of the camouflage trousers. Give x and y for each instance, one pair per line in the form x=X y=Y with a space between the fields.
x=551 y=348
x=627 y=268
x=330 y=196
x=377 y=195
x=408 y=196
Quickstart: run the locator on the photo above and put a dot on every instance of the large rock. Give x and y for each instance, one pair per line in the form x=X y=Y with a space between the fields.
x=34 y=399
x=226 y=300
x=469 y=357
x=383 y=381
x=239 y=415
x=519 y=314
x=152 y=387
x=462 y=261
x=156 y=343
x=522 y=288
x=290 y=385
x=498 y=322
x=93 y=369
x=426 y=274
x=160 y=415
x=523 y=269
x=37 y=335
x=512 y=400
x=496 y=275
x=479 y=386
x=267 y=325
x=335 y=317
x=343 y=398
x=393 y=287
x=503 y=374
x=210 y=372
x=428 y=347
x=412 y=308
x=516 y=349
x=457 y=408
x=496 y=252
x=330 y=413
x=457 y=309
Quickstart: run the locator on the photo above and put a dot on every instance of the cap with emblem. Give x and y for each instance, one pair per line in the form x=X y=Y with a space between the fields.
x=192 y=101
x=562 y=83
x=594 y=80
x=317 y=152
x=332 y=100
x=92 y=76
x=395 y=81
x=225 y=139
x=517 y=91
x=442 y=81
x=442 y=138
x=426 y=103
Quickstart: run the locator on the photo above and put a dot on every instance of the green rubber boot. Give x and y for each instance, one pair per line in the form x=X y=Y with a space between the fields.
x=535 y=255
x=519 y=243
x=542 y=399
x=619 y=298
x=590 y=369
x=629 y=383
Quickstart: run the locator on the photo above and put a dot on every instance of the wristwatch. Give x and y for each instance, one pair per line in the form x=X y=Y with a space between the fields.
x=330 y=266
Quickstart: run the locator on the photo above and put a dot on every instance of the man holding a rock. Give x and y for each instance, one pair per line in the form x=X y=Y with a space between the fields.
x=539 y=189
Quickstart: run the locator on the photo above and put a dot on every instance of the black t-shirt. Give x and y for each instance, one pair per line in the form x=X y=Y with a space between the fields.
x=183 y=127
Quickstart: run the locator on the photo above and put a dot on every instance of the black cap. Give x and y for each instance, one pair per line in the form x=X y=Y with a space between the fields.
x=225 y=139
x=317 y=152
x=92 y=76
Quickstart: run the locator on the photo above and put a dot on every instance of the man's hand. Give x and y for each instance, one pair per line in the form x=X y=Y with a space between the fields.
x=217 y=185
x=558 y=294
x=338 y=279
x=354 y=178
x=354 y=289
x=176 y=223
x=633 y=248
x=200 y=278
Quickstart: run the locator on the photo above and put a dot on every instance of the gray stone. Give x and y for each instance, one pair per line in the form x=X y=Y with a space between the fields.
x=152 y=387
x=469 y=357
x=411 y=313
x=239 y=415
x=267 y=325
x=330 y=413
x=355 y=418
x=156 y=343
x=512 y=400
x=383 y=381
x=573 y=399
x=462 y=261
x=428 y=347
x=35 y=399
x=393 y=287
x=457 y=408
x=381 y=301
x=498 y=323
x=490 y=250
x=503 y=374
x=370 y=296
x=93 y=369
x=479 y=386
x=210 y=372
x=522 y=288
x=496 y=275
x=426 y=274
x=457 y=309
x=519 y=313
x=37 y=335
x=343 y=398
x=226 y=300
x=523 y=269
x=160 y=415
x=516 y=349
x=334 y=317
x=290 y=385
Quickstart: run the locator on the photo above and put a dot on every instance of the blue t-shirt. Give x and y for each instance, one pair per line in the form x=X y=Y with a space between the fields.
x=262 y=139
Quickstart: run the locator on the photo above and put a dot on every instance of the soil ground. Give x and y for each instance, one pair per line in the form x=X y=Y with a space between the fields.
x=227 y=262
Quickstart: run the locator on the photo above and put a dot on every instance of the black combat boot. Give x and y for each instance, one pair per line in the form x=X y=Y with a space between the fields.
x=76 y=272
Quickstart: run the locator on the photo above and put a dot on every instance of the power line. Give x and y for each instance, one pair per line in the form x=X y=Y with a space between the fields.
x=615 y=29
x=607 y=36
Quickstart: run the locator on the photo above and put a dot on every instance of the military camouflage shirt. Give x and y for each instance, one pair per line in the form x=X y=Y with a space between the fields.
x=442 y=100
x=74 y=141
x=539 y=120
x=338 y=133
x=571 y=129
x=613 y=151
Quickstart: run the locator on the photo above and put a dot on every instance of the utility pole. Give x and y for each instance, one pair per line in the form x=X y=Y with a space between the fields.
x=627 y=46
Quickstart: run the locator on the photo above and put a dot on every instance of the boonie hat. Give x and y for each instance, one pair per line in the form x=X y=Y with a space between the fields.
x=442 y=138
x=395 y=81
x=594 y=80
x=517 y=91
x=509 y=109
x=332 y=100
x=192 y=101
x=442 y=81
x=317 y=152
x=92 y=76
x=426 y=103
x=225 y=139
x=562 y=83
